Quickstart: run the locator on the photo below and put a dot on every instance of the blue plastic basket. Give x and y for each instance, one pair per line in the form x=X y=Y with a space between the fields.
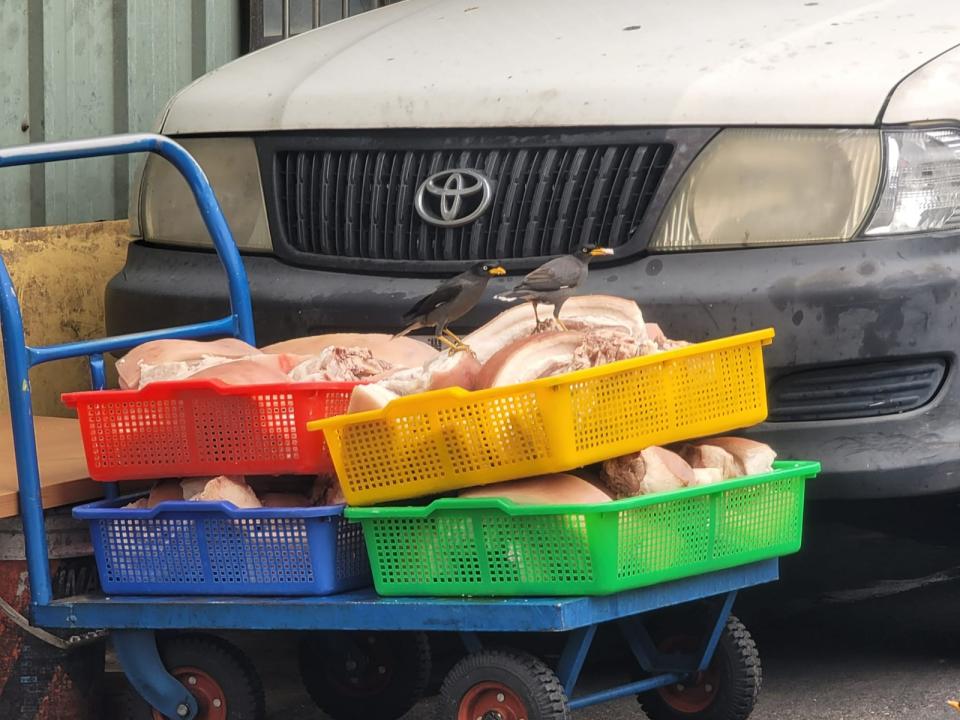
x=213 y=548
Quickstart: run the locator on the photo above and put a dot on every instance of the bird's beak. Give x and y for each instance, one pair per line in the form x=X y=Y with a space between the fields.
x=497 y=271
x=954 y=704
x=601 y=251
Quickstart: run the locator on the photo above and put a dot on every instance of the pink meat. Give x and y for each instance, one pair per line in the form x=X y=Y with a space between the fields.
x=610 y=345
x=665 y=471
x=707 y=476
x=399 y=352
x=752 y=457
x=339 y=364
x=584 y=312
x=702 y=455
x=163 y=491
x=369 y=397
x=284 y=500
x=231 y=489
x=448 y=369
x=623 y=476
x=651 y=471
x=530 y=358
x=191 y=487
x=284 y=362
x=556 y=489
x=189 y=352
x=242 y=372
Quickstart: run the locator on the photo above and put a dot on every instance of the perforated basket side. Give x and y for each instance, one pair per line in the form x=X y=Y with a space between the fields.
x=210 y=552
x=444 y=440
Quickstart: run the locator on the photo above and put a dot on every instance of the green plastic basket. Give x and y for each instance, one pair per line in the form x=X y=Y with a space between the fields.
x=494 y=547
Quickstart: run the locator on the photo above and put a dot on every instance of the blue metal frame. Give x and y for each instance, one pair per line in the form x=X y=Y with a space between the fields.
x=365 y=610
x=664 y=669
x=19 y=358
x=138 y=655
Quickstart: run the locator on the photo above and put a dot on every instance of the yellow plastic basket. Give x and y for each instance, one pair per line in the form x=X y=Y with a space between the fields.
x=448 y=439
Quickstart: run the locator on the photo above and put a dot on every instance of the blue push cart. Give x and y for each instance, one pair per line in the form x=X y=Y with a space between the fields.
x=371 y=655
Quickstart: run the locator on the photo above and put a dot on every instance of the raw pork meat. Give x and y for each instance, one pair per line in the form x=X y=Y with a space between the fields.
x=399 y=352
x=164 y=490
x=228 y=488
x=532 y=357
x=369 y=397
x=623 y=476
x=601 y=347
x=194 y=355
x=707 y=476
x=584 y=312
x=285 y=500
x=242 y=372
x=556 y=489
x=448 y=369
x=650 y=471
x=702 y=455
x=339 y=364
x=753 y=458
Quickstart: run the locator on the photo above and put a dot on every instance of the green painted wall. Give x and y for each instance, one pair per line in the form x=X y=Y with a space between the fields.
x=84 y=68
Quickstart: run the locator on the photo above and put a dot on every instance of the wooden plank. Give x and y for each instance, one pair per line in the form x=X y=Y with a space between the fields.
x=63 y=467
x=14 y=111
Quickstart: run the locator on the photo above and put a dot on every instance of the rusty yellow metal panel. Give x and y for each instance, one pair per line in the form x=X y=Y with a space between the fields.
x=59 y=273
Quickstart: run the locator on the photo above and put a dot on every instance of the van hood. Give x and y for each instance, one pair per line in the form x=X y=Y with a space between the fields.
x=504 y=63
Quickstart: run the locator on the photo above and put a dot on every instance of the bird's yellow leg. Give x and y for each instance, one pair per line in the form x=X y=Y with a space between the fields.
x=448 y=342
x=453 y=336
x=560 y=323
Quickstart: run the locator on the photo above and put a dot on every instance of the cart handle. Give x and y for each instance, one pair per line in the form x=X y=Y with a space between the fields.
x=19 y=358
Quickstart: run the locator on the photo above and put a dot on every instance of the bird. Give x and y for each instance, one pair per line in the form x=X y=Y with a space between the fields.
x=556 y=280
x=450 y=301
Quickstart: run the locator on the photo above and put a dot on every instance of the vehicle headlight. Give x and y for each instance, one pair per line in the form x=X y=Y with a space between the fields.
x=169 y=214
x=922 y=183
x=773 y=187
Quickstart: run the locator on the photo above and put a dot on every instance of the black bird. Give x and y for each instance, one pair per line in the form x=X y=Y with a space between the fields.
x=453 y=299
x=556 y=280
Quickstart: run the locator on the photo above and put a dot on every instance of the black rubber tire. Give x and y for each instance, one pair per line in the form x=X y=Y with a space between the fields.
x=737 y=663
x=231 y=669
x=405 y=655
x=526 y=675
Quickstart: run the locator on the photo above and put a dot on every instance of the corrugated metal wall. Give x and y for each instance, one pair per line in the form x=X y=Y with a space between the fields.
x=83 y=68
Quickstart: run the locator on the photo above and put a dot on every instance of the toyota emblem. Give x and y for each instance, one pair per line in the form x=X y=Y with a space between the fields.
x=451 y=198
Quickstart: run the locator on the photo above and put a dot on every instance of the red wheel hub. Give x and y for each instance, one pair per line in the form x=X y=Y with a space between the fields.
x=491 y=701
x=697 y=693
x=211 y=701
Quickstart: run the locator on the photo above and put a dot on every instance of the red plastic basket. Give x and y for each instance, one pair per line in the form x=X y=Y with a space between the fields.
x=189 y=428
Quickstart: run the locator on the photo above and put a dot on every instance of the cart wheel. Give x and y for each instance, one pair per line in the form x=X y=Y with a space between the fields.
x=726 y=691
x=218 y=675
x=502 y=685
x=365 y=675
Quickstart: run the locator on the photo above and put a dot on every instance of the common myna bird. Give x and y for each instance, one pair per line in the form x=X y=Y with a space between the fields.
x=556 y=280
x=453 y=299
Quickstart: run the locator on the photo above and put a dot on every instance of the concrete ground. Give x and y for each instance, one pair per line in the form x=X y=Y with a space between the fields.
x=864 y=623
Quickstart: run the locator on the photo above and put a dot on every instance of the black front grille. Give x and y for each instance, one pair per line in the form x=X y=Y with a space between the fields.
x=547 y=199
x=856 y=391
